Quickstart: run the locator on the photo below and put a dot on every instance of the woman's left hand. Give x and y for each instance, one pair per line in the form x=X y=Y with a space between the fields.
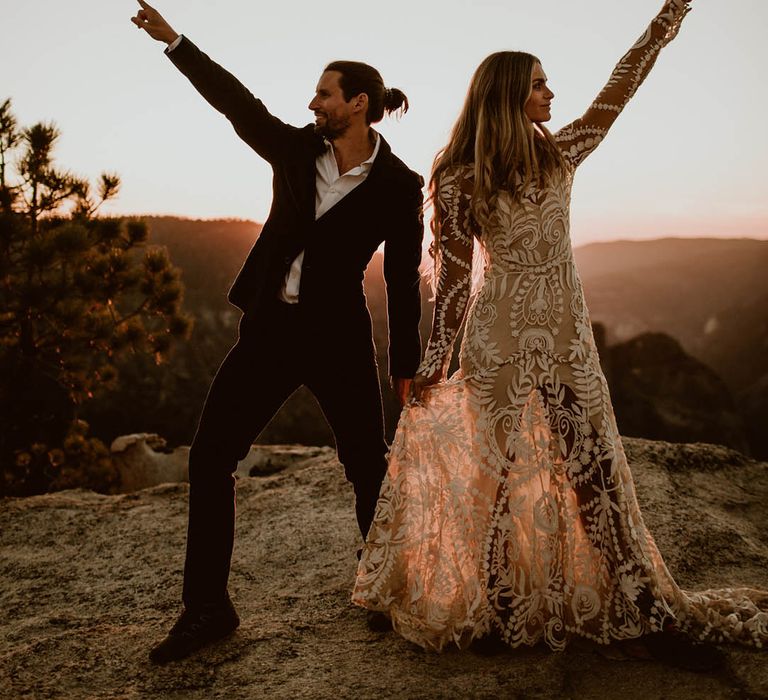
x=421 y=383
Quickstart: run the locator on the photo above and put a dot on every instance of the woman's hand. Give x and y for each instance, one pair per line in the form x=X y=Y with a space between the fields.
x=421 y=383
x=152 y=22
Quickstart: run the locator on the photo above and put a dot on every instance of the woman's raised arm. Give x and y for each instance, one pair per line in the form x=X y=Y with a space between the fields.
x=579 y=138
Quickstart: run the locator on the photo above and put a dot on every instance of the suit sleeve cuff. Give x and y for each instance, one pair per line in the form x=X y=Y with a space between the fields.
x=173 y=44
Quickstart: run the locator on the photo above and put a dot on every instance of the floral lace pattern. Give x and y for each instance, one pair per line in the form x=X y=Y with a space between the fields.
x=509 y=504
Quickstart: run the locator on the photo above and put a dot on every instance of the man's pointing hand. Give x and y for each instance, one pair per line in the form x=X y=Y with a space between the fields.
x=152 y=22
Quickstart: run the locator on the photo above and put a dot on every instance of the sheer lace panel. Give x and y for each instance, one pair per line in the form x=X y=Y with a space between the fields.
x=453 y=268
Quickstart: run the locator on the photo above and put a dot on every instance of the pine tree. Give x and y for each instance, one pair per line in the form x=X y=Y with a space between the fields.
x=77 y=291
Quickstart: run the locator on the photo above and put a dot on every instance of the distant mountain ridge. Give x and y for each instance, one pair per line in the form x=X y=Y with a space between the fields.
x=210 y=252
x=711 y=295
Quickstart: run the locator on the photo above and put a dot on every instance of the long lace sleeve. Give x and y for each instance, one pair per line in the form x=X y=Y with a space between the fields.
x=579 y=138
x=453 y=269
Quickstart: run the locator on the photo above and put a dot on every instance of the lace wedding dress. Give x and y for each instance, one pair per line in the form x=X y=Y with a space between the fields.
x=509 y=504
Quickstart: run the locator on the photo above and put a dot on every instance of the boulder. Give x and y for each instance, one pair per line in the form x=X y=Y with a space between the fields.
x=144 y=459
x=661 y=392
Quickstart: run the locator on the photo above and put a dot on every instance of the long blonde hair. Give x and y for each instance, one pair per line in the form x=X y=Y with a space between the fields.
x=494 y=134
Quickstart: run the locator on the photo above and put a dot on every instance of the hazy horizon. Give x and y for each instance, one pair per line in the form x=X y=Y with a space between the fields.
x=693 y=235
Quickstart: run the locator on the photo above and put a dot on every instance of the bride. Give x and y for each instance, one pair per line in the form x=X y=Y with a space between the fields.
x=509 y=508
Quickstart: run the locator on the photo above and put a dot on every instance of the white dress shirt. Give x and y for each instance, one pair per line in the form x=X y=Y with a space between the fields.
x=173 y=44
x=330 y=188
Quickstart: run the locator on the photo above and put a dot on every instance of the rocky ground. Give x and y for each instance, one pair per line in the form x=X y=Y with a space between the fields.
x=88 y=582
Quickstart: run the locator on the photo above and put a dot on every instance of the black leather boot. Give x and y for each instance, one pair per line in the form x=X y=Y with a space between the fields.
x=195 y=629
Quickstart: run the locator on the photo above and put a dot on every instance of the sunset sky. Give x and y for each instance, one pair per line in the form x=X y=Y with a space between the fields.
x=688 y=157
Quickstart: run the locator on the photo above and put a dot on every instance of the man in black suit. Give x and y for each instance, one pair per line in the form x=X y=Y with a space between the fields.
x=339 y=192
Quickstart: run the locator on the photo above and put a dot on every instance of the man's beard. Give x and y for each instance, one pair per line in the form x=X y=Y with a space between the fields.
x=333 y=128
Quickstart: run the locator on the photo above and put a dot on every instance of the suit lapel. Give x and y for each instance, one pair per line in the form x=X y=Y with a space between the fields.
x=378 y=169
x=309 y=195
x=302 y=187
x=309 y=180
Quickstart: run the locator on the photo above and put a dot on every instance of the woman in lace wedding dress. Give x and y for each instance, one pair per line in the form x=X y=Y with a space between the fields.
x=509 y=507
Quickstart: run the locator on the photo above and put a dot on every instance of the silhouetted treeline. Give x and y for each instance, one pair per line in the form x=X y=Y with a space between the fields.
x=78 y=292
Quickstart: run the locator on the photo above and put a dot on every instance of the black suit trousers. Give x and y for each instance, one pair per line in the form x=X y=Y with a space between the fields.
x=277 y=352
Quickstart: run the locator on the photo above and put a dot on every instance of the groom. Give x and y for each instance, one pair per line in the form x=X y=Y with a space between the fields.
x=339 y=192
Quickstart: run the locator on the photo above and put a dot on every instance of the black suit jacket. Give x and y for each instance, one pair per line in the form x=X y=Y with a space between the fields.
x=386 y=207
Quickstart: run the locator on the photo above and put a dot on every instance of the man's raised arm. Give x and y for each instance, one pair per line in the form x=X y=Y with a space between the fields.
x=266 y=134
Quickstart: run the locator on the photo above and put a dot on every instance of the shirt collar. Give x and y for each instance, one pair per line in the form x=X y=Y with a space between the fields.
x=366 y=164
